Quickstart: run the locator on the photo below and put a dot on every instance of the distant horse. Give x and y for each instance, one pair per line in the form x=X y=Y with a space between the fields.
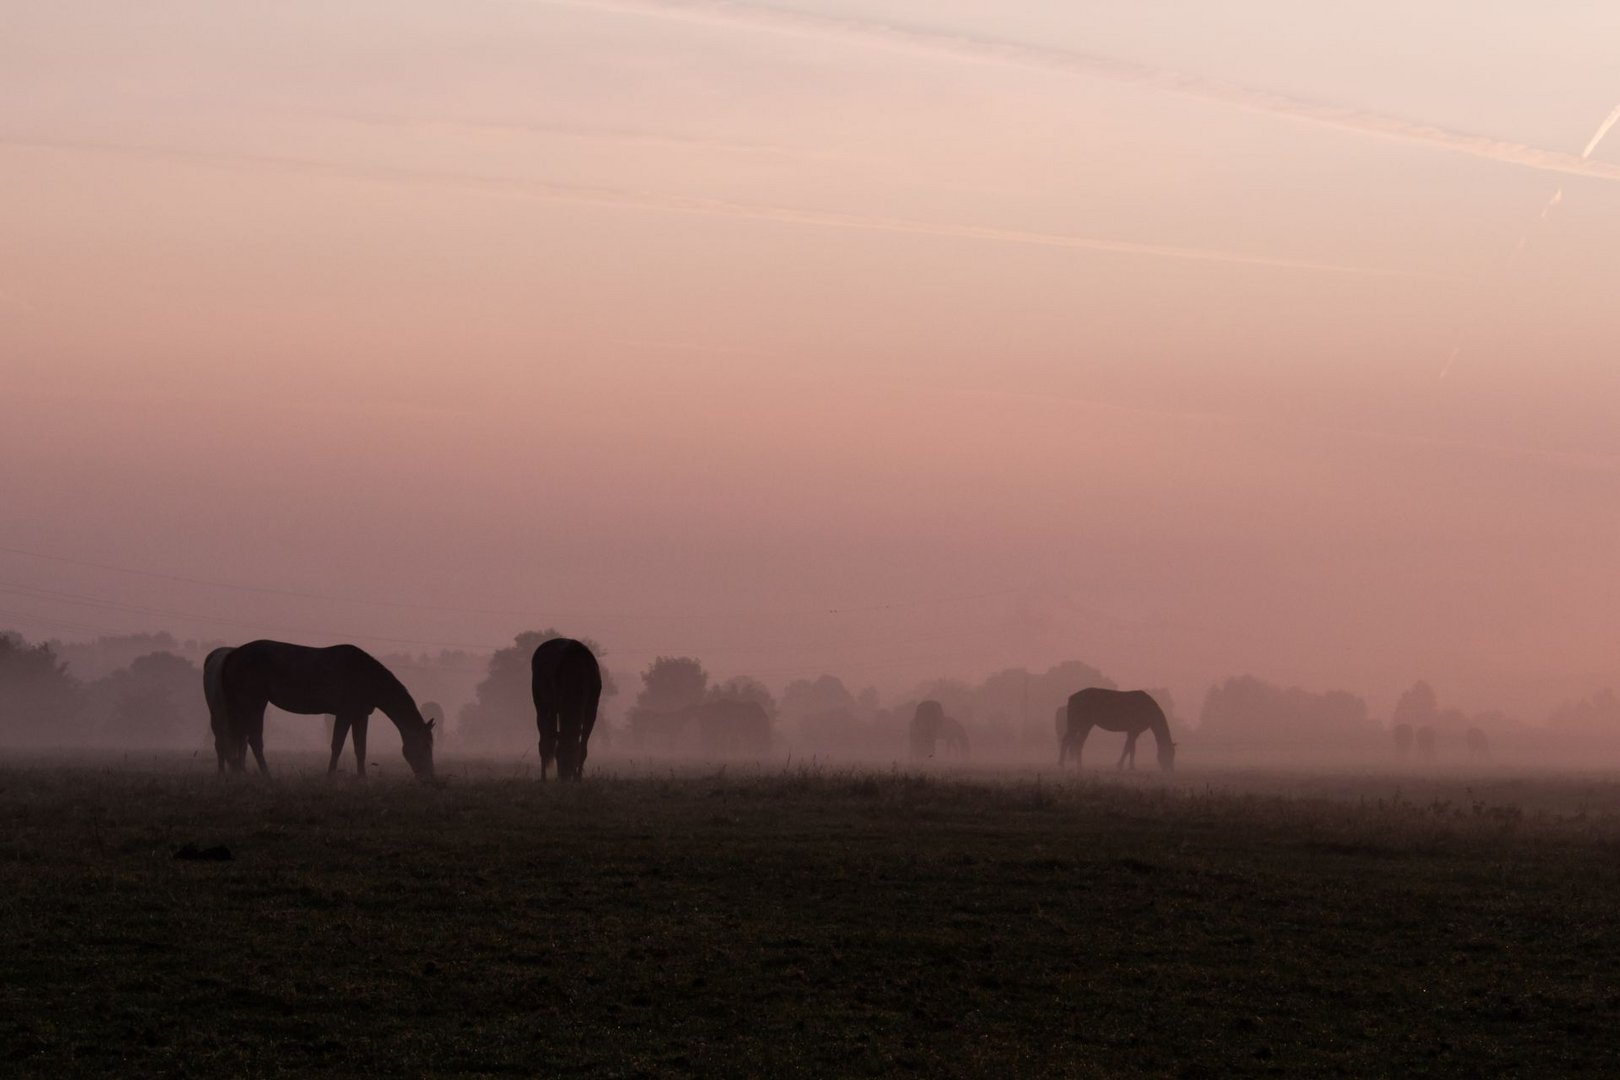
x=932 y=731
x=732 y=728
x=1129 y=711
x=1423 y=739
x=228 y=747
x=343 y=680
x=567 y=687
x=1403 y=740
x=1478 y=745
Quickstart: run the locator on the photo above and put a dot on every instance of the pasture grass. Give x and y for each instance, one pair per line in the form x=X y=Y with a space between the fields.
x=810 y=922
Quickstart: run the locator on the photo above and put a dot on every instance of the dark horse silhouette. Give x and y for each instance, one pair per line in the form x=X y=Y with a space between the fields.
x=1130 y=711
x=932 y=730
x=567 y=687
x=344 y=680
x=227 y=748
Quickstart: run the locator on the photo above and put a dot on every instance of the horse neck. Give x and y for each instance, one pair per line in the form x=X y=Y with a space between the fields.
x=1160 y=727
x=396 y=703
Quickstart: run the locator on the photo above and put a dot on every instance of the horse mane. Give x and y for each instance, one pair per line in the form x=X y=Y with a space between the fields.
x=394 y=700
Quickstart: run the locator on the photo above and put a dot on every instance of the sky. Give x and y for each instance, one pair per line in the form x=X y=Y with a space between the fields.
x=880 y=337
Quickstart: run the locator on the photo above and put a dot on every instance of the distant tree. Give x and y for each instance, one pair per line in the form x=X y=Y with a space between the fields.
x=157 y=700
x=813 y=697
x=671 y=684
x=39 y=700
x=743 y=688
x=1402 y=734
x=1250 y=709
x=501 y=713
x=672 y=689
x=1596 y=716
x=1418 y=706
x=87 y=660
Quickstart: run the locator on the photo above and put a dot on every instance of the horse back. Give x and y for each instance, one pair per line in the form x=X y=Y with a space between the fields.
x=565 y=674
x=340 y=679
x=1115 y=710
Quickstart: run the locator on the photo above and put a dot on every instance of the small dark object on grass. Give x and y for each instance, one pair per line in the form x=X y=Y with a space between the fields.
x=217 y=853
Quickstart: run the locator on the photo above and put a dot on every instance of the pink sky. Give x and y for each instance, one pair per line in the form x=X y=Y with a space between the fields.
x=1069 y=330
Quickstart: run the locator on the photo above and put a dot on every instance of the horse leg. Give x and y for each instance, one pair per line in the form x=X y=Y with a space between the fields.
x=358 y=728
x=586 y=722
x=340 y=732
x=231 y=744
x=1077 y=742
x=548 y=741
x=255 y=741
x=567 y=743
x=1129 y=752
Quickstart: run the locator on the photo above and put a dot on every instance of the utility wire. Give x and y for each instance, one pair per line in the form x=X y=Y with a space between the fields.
x=511 y=612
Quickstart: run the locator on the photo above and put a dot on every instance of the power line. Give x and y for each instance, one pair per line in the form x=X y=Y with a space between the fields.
x=847 y=609
x=83 y=600
x=79 y=600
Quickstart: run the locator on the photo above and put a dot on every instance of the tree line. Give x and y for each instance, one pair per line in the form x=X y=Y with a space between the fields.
x=144 y=689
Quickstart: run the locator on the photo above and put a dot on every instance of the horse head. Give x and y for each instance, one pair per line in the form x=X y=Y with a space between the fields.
x=418 y=748
x=1167 y=755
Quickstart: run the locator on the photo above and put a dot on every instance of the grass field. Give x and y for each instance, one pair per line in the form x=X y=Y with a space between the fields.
x=808 y=923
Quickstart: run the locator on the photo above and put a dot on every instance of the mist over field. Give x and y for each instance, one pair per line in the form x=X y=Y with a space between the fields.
x=143 y=692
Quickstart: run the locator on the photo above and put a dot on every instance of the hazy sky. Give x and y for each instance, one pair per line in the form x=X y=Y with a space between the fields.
x=882 y=337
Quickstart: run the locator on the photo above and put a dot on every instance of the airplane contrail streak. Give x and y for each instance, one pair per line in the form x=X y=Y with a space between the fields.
x=603 y=196
x=989 y=50
x=1524 y=237
x=1603 y=129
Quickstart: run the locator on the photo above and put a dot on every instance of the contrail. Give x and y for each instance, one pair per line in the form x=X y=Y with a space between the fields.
x=603 y=196
x=1591 y=145
x=1603 y=129
x=1524 y=237
x=990 y=50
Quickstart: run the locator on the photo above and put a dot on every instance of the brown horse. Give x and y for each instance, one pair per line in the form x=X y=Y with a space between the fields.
x=567 y=687
x=1128 y=711
x=343 y=680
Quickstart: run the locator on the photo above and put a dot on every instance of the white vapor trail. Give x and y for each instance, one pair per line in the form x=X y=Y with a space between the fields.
x=1546 y=211
x=1603 y=129
x=603 y=196
x=990 y=50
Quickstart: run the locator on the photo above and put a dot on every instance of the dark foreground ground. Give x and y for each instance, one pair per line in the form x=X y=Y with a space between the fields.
x=811 y=924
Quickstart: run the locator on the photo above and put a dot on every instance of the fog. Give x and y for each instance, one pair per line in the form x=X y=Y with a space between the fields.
x=910 y=345
x=143 y=694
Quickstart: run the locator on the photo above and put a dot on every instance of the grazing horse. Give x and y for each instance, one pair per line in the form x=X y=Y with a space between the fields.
x=228 y=746
x=567 y=688
x=932 y=730
x=344 y=680
x=1129 y=711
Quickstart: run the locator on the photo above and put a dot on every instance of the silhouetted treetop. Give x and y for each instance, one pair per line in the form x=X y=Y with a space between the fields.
x=671 y=684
